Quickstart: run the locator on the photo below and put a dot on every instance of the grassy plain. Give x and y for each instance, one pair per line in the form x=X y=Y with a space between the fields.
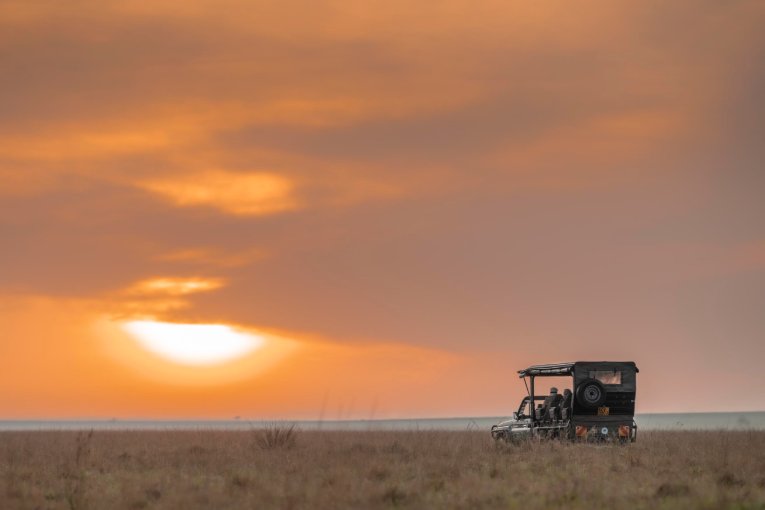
x=375 y=469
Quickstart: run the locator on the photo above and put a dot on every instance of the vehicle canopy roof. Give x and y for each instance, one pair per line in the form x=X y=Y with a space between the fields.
x=559 y=369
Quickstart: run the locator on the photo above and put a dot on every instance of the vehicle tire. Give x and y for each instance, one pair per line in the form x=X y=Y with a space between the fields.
x=591 y=393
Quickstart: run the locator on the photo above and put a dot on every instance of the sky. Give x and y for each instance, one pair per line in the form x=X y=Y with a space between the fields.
x=355 y=210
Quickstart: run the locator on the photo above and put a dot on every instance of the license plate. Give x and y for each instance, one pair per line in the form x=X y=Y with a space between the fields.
x=603 y=411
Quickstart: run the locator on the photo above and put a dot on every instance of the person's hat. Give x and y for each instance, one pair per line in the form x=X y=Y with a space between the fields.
x=553 y=390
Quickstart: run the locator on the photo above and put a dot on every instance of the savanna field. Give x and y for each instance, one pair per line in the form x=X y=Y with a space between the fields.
x=279 y=468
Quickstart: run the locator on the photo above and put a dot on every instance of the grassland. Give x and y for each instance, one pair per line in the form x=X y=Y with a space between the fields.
x=315 y=469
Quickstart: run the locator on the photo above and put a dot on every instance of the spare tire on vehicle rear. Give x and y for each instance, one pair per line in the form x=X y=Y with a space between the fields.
x=591 y=393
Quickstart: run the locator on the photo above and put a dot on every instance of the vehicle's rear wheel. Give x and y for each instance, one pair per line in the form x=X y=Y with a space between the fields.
x=591 y=393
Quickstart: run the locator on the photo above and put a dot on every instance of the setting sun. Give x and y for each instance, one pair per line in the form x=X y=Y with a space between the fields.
x=193 y=344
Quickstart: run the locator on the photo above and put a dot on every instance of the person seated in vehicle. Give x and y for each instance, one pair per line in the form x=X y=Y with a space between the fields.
x=551 y=404
x=565 y=404
x=543 y=408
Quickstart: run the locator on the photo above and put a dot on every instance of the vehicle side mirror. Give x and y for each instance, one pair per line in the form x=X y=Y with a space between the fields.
x=515 y=415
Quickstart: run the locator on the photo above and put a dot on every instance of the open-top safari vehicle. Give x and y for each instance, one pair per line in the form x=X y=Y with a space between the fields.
x=601 y=406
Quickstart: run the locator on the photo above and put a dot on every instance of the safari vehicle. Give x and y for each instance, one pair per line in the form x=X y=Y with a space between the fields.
x=601 y=406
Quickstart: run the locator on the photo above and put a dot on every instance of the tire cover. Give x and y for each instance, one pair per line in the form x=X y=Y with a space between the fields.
x=591 y=393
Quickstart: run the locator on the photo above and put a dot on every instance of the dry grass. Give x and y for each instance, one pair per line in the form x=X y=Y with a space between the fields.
x=312 y=469
x=276 y=436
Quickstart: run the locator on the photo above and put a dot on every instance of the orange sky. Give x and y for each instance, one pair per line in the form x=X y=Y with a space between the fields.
x=405 y=204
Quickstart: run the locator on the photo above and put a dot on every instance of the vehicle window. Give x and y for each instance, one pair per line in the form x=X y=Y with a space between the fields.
x=607 y=376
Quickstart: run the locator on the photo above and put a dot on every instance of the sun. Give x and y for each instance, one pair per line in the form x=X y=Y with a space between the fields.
x=193 y=344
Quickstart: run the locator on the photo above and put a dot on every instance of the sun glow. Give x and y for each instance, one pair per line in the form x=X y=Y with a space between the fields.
x=193 y=344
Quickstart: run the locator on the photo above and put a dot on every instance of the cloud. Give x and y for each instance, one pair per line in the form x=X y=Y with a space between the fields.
x=211 y=256
x=245 y=193
x=175 y=286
